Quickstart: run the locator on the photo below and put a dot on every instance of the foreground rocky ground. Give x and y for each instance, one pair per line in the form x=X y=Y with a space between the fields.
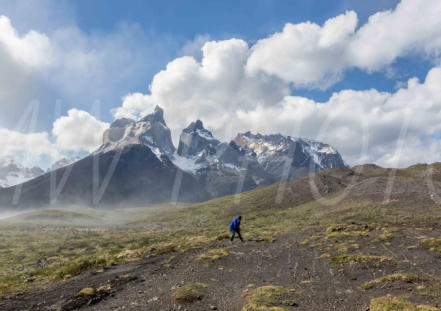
x=373 y=242
x=342 y=267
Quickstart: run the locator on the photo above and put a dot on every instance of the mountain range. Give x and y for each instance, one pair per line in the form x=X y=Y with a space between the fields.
x=13 y=173
x=137 y=164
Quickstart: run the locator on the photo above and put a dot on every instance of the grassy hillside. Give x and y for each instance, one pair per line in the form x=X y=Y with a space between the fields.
x=359 y=205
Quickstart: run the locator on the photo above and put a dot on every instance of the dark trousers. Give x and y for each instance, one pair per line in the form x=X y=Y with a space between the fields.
x=238 y=233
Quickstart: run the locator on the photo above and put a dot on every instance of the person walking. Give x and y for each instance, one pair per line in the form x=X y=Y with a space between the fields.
x=235 y=228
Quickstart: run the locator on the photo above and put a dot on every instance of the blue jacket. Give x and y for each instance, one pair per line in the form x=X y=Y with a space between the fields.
x=235 y=224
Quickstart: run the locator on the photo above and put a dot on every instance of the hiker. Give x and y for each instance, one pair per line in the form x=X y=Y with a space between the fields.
x=235 y=228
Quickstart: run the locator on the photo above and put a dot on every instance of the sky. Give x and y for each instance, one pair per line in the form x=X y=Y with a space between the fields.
x=363 y=76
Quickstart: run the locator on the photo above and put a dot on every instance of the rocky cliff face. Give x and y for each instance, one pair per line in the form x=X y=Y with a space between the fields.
x=195 y=139
x=150 y=131
x=249 y=159
x=288 y=157
x=218 y=166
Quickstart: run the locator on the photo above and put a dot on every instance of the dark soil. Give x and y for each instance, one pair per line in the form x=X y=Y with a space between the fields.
x=294 y=260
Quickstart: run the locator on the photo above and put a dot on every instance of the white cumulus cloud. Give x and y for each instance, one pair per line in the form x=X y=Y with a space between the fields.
x=310 y=55
x=219 y=83
x=78 y=131
x=69 y=64
x=32 y=49
x=74 y=134
x=413 y=26
x=29 y=148
x=235 y=87
x=306 y=54
x=391 y=129
x=21 y=57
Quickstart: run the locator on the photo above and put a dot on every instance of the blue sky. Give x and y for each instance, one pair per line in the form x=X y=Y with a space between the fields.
x=221 y=19
x=172 y=24
x=248 y=20
x=99 y=58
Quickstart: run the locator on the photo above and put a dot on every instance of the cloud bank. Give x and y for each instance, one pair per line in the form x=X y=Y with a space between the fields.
x=235 y=87
x=70 y=64
x=310 y=55
x=64 y=62
x=76 y=133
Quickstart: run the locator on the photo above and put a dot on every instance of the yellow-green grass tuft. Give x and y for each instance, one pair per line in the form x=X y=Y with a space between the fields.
x=345 y=234
x=389 y=303
x=268 y=298
x=344 y=248
x=396 y=277
x=432 y=244
x=214 y=254
x=88 y=291
x=189 y=293
x=359 y=258
x=383 y=237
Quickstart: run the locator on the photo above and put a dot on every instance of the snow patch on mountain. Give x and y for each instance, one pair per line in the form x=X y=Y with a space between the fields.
x=204 y=134
x=322 y=153
x=234 y=167
x=304 y=154
x=210 y=168
x=187 y=164
x=202 y=155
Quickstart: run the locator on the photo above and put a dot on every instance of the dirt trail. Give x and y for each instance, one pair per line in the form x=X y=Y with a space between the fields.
x=288 y=261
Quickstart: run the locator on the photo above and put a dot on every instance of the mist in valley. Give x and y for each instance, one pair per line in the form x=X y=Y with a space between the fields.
x=85 y=217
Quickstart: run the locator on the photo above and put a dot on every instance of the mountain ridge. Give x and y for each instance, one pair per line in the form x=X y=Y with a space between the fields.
x=140 y=155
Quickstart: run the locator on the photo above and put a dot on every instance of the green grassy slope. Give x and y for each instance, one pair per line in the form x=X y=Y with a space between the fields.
x=44 y=246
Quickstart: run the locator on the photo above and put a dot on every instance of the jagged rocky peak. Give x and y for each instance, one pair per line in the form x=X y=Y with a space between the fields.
x=156 y=116
x=117 y=130
x=154 y=132
x=274 y=150
x=150 y=131
x=277 y=143
x=194 y=139
x=262 y=143
x=195 y=126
